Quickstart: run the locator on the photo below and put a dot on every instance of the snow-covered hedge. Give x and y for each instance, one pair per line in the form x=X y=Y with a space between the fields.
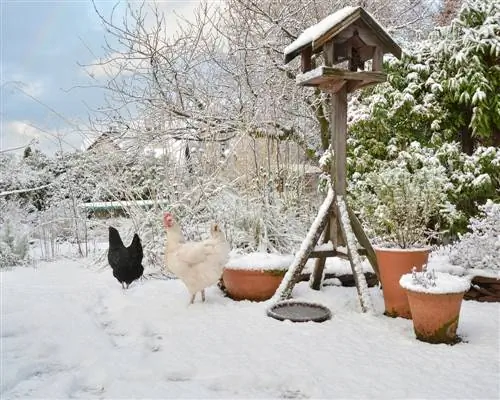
x=480 y=247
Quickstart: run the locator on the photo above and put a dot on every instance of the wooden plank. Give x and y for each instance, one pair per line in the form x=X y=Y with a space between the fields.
x=363 y=240
x=284 y=291
x=389 y=44
x=324 y=75
x=356 y=85
x=335 y=253
x=323 y=253
x=354 y=259
x=306 y=59
x=336 y=29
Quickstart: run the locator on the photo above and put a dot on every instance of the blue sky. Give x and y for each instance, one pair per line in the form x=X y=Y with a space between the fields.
x=42 y=43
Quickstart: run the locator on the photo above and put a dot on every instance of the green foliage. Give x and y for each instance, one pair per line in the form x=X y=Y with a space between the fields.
x=445 y=95
x=448 y=83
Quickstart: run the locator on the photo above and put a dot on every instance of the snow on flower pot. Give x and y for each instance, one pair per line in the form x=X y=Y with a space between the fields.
x=435 y=300
x=392 y=264
x=255 y=276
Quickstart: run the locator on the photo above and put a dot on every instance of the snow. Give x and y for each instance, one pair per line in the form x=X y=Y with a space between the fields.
x=260 y=261
x=70 y=331
x=325 y=247
x=314 y=73
x=315 y=31
x=445 y=283
x=120 y=204
x=398 y=249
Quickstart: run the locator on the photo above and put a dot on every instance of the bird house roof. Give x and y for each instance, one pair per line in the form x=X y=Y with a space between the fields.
x=336 y=27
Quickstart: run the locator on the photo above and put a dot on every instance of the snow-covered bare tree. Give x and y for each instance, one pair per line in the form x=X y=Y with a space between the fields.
x=222 y=74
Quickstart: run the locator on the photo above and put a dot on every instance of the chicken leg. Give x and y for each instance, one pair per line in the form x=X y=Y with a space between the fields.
x=192 y=298
x=203 y=295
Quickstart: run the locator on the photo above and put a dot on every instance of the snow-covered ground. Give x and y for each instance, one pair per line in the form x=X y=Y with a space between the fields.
x=69 y=331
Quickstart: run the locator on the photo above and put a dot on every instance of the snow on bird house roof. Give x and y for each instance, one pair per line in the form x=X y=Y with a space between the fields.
x=328 y=28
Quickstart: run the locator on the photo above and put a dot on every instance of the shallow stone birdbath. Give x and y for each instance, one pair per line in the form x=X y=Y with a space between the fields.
x=299 y=311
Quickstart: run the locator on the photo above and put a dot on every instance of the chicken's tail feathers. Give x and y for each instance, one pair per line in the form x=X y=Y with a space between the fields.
x=114 y=238
x=216 y=231
x=136 y=246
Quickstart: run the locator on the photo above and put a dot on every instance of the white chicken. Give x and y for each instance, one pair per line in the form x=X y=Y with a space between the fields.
x=197 y=264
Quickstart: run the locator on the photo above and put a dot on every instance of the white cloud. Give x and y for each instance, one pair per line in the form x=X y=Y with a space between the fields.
x=32 y=87
x=19 y=133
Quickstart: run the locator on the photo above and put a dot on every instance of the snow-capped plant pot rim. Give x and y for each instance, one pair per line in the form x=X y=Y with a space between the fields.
x=445 y=284
x=252 y=284
x=259 y=261
x=311 y=311
x=400 y=249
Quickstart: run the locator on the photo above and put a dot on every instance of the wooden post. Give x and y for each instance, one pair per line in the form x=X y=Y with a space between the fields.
x=338 y=129
x=316 y=279
x=306 y=59
x=378 y=57
x=329 y=53
x=339 y=136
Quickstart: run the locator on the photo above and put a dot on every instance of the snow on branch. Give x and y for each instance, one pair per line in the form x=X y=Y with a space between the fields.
x=9 y=192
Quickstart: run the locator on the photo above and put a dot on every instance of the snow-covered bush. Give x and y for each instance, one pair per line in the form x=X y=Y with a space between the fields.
x=475 y=179
x=424 y=278
x=13 y=247
x=480 y=247
x=404 y=200
x=14 y=230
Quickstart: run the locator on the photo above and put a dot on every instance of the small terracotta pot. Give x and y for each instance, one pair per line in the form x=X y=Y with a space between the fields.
x=392 y=264
x=435 y=316
x=255 y=285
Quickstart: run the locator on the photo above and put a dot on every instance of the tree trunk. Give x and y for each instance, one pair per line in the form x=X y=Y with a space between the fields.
x=466 y=140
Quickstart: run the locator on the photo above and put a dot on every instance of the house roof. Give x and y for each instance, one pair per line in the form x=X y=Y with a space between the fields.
x=330 y=27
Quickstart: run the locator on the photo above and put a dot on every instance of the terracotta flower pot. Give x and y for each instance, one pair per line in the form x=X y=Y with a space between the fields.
x=392 y=264
x=251 y=284
x=435 y=316
x=435 y=299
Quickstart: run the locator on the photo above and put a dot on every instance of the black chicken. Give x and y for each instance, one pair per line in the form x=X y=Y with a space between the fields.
x=125 y=261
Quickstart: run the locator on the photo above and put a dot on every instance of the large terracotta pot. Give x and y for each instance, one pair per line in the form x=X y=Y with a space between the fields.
x=392 y=264
x=251 y=284
x=435 y=316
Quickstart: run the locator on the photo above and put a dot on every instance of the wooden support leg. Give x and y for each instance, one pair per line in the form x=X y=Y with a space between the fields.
x=354 y=258
x=363 y=240
x=316 y=280
x=292 y=276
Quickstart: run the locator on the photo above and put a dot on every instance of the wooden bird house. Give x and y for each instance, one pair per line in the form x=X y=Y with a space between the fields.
x=348 y=40
x=350 y=36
